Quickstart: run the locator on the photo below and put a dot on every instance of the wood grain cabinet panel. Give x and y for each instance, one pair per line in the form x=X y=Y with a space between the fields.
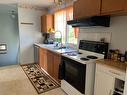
x=86 y=8
x=47 y=22
x=50 y=61
x=112 y=6
x=43 y=58
x=89 y=8
x=125 y=5
x=50 y=64
x=57 y=61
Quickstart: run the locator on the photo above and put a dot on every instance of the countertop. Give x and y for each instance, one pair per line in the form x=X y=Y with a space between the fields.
x=52 y=48
x=113 y=64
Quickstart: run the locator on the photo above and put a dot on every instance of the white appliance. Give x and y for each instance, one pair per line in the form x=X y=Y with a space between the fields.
x=79 y=79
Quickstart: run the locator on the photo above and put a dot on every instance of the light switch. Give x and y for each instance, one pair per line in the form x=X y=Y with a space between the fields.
x=3 y=49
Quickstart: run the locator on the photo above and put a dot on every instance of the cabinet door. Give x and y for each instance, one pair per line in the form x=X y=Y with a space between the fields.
x=111 y=6
x=50 y=21
x=47 y=22
x=86 y=8
x=43 y=23
x=50 y=63
x=43 y=58
x=125 y=5
x=57 y=61
x=104 y=84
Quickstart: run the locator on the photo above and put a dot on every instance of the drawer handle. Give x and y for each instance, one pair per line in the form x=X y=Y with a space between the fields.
x=114 y=73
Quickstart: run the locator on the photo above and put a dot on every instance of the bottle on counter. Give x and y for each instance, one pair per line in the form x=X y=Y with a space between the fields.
x=122 y=59
x=119 y=57
x=111 y=54
x=116 y=55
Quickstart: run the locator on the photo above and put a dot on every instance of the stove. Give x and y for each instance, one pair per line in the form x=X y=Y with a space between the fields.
x=78 y=68
x=84 y=57
x=89 y=51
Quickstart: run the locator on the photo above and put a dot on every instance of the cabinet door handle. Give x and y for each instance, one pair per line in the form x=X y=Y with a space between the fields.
x=114 y=73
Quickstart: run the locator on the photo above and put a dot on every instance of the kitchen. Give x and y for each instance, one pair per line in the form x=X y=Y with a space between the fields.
x=49 y=55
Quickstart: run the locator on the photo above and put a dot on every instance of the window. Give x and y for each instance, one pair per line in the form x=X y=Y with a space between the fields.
x=69 y=34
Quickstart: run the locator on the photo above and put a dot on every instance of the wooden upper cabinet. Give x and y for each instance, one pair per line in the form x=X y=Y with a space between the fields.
x=125 y=5
x=112 y=6
x=86 y=8
x=47 y=22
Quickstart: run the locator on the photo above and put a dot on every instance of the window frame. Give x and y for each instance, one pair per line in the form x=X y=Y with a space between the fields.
x=66 y=26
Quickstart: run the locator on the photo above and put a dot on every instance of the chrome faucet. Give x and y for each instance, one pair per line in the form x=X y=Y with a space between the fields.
x=59 y=36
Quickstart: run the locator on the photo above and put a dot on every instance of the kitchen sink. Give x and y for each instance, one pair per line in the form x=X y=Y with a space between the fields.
x=65 y=50
x=58 y=48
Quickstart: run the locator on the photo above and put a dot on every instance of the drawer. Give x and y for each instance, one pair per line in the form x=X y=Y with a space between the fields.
x=112 y=71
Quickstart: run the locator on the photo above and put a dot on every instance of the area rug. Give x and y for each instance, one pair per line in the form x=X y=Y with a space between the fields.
x=39 y=78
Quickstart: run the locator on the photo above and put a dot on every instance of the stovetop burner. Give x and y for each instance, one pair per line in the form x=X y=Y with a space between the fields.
x=92 y=57
x=84 y=59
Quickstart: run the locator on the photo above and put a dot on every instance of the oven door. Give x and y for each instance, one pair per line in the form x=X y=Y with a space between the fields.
x=74 y=73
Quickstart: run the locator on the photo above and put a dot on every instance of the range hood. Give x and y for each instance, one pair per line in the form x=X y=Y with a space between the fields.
x=91 y=21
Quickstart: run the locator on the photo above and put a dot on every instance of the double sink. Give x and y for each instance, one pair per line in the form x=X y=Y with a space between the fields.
x=57 y=49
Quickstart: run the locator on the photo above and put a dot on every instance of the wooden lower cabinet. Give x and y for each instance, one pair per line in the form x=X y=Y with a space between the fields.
x=43 y=58
x=50 y=61
x=56 y=61
x=50 y=64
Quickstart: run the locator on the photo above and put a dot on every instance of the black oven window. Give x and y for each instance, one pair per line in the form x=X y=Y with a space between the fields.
x=75 y=74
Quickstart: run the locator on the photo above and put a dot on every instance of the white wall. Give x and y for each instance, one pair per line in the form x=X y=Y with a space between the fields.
x=116 y=34
x=29 y=34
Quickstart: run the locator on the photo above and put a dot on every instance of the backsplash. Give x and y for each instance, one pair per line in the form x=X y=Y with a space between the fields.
x=116 y=34
x=94 y=36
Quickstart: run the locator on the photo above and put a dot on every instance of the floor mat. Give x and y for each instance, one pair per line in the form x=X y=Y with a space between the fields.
x=40 y=80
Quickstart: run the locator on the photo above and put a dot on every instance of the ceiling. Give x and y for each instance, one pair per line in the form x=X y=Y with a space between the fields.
x=38 y=3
